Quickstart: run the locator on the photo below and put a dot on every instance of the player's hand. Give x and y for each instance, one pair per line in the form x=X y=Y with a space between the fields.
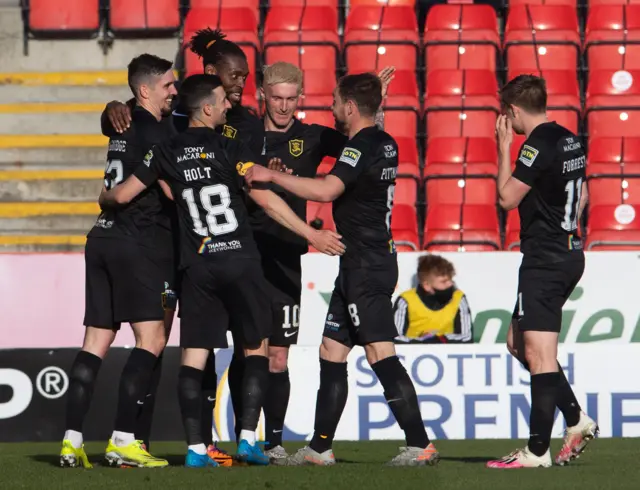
x=504 y=132
x=328 y=242
x=119 y=115
x=258 y=173
x=276 y=165
x=385 y=76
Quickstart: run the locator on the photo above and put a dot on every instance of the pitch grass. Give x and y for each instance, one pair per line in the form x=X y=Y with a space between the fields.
x=608 y=464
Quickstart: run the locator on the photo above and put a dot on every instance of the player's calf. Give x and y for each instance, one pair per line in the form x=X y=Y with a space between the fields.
x=277 y=400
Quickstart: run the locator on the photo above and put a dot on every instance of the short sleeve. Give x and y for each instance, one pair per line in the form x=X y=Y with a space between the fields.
x=150 y=169
x=532 y=159
x=351 y=163
x=331 y=141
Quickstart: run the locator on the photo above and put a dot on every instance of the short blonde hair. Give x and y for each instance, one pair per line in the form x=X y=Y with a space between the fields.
x=282 y=72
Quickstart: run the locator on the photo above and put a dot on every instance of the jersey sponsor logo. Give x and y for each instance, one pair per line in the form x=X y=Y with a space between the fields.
x=350 y=156
x=296 y=147
x=195 y=153
x=390 y=151
x=118 y=145
x=147 y=158
x=571 y=144
x=208 y=246
x=229 y=131
x=528 y=155
x=243 y=167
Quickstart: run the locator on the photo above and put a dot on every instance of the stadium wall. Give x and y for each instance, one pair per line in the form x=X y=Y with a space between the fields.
x=466 y=391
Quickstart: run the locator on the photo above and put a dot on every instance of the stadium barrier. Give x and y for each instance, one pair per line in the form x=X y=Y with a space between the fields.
x=466 y=391
x=42 y=298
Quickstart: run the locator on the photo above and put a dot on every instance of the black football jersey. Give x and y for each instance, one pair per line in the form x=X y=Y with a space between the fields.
x=367 y=165
x=552 y=162
x=205 y=172
x=301 y=149
x=147 y=219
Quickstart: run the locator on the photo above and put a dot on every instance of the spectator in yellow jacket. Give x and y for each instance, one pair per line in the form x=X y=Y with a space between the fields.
x=435 y=311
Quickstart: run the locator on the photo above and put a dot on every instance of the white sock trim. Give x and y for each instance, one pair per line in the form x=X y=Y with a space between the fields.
x=75 y=437
x=198 y=449
x=249 y=436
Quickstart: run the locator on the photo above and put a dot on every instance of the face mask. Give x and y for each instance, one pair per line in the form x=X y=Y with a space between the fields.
x=443 y=295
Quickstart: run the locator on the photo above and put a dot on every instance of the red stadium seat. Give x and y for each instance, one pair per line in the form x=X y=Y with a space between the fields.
x=138 y=15
x=318 y=88
x=530 y=27
x=614 y=227
x=254 y=5
x=608 y=89
x=401 y=124
x=460 y=191
x=562 y=87
x=377 y=36
x=512 y=231
x=472 y=123
x=462 y=228
x=570 y=3
x=611 y=37
x=70 y=17
x=613 y=191
x=406 y=191
x=614 y=151
x=518 y=141
x=620 y=123
x=300 y=3
x=403 y=92
x=461 y=88
x=461 y=157
x=404 y=227
x=304 y=36
x=407 y=151
x=323 y=212
x=461 y=37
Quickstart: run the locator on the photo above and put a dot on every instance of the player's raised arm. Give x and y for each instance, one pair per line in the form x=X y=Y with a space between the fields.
x=511 y=189
x=326 y=189
x=324 y=241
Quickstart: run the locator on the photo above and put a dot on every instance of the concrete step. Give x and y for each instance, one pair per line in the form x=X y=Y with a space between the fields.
x=54 y=141
x=55 y=223
x=20 y=94
x=50 y=123
x=51 y=186
x=42 y=243
x=53 y=158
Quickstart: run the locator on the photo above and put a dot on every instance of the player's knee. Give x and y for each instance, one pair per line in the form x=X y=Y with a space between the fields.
x=278 y=358
x=98 y=340
x=333 y=351
x=379 y=351
x=533 y=355
x=151 y=336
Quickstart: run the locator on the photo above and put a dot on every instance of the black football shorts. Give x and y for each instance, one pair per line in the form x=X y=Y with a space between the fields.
x=284 y=275
x=212 y=293
x=543 y=289
x=126 y=282
x=360 y=310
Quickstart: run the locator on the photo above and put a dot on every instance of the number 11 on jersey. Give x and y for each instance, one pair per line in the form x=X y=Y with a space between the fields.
x=572 y=206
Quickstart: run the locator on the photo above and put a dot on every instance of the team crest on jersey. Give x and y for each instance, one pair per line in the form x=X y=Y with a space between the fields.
x=229 y=131
x=243 y=167
x=527 y=155
x=350 y=156
x=296 y=147
x=147 y=158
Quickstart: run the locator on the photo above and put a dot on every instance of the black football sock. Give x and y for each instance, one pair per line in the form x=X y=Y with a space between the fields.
x=82 y=380
x=254 y=389
x=145 y=415
x=544 y=389
x=332 y=398
x=402 y=399
x=275 y=407
x=134 y=384
x=235 y=378
x=566 y=400
x=190 y=399
x=209 y=387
